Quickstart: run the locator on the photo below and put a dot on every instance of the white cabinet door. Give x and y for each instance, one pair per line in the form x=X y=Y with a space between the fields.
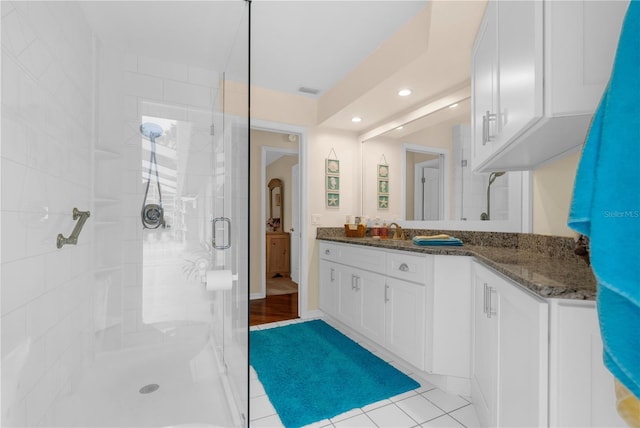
x=510 y=353
x=523 y=355
x=405 y=320
x=520 y=67
x=349 y=302
x=449 y=309
x=484 y=370
x=581 y=388
x=371 y=288
x=329 y=286
x=485 y=86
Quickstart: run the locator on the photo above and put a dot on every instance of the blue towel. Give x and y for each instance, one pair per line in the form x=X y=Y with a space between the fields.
x=606 y=206
x=451 y=241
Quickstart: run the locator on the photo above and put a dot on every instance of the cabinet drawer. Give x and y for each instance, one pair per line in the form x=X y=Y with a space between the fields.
x=331 y=252
x=407 y=266
x=363 y=258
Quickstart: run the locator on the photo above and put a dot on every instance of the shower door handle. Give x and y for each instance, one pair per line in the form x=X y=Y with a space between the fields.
x=224 y=245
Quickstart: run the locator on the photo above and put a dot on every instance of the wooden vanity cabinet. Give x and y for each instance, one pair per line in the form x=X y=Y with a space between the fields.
x=278 y=254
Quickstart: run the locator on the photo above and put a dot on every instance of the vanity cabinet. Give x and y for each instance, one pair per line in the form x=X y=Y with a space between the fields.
x=377 y=293
x=539 y=69
x=278 y=259
x=509 y=385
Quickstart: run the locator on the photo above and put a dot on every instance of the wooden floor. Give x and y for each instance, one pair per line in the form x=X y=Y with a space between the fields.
x=273 y=308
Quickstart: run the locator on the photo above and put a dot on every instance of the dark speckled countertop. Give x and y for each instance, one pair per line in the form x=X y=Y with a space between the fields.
x=546 y=265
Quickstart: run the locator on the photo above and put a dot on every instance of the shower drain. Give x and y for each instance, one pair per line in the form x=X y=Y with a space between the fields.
x=147 y=389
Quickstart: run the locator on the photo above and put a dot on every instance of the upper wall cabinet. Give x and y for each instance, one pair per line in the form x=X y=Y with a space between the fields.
x=539 y=69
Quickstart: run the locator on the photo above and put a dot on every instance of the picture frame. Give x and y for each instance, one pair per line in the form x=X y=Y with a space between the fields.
x=383 y=187
x=383 y=171
x=333 y=183
x=383 y=202
x=332 y=166
x=333 y=200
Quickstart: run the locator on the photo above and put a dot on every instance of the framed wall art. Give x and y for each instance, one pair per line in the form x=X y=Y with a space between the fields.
x=383 y=184
x=332 y=180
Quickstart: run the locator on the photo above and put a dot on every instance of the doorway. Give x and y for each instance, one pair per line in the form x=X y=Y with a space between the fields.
x=279 y=257
x=428 y=202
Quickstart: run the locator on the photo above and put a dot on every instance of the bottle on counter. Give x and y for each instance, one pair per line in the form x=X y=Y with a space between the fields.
x=384 y=231
x=376 y=230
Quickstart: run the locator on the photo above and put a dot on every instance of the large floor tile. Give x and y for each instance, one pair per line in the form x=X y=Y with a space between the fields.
x=419 y=408
x=466 y=416
x=444 y=421
x=391 y=416
x=447 y=402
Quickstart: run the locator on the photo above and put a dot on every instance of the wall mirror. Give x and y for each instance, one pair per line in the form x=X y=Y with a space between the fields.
x=431 y=182
x=275 y=221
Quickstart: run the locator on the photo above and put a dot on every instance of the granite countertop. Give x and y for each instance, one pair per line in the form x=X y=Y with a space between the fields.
x=542 y=264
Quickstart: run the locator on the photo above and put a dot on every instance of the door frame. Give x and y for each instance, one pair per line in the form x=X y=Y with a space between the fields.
x=418 y=194
x=443 y=155
x=303 y=285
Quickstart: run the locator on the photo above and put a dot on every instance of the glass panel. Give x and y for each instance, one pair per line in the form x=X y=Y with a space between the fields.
x=121 y=328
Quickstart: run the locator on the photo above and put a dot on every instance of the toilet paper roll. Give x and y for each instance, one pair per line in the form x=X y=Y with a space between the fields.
x=219 y=280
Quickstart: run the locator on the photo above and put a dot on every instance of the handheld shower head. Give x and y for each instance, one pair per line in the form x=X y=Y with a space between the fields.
x=494 y=175
x=151 y=131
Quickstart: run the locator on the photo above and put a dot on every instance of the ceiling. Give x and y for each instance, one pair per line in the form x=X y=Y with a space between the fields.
x=315 y=44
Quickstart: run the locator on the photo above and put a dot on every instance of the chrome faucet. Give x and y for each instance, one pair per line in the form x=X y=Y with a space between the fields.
x=398 y=233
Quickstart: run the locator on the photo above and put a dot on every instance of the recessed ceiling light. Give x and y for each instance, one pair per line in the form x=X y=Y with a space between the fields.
x=356 y=119
x=453 y=105
x=404 y=92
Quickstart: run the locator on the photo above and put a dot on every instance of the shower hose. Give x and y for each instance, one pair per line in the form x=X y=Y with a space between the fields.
x=152 y=214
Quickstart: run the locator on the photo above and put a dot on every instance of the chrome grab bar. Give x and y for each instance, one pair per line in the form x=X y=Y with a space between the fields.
x=73 y=238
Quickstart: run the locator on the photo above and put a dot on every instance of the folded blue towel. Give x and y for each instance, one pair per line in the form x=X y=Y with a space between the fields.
x=606 y=206
x=428 y=242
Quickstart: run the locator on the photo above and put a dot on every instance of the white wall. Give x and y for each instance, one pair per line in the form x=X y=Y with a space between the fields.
x=552 y=194
x=46 y=144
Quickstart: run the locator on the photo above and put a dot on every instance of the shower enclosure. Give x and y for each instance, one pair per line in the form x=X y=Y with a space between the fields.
x=143 y=320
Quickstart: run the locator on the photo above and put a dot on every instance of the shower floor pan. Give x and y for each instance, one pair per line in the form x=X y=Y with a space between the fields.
x=159 y=386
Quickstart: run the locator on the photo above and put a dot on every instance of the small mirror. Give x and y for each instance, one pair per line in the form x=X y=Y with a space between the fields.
x=276 y=206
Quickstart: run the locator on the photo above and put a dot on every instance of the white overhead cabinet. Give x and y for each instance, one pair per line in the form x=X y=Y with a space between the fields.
x=510 y=334
x=539 y=69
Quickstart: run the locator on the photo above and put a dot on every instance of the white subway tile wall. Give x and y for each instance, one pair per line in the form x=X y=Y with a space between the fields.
x=46 y=171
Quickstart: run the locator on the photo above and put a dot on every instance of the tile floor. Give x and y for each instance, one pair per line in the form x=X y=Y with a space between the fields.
x=426 y=406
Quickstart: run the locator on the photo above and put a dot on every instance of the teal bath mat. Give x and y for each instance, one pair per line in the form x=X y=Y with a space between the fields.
x=312 y=372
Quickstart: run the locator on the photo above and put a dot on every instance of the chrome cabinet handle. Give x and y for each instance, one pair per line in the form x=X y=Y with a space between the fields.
x=485 y=299
x=355 y=282
x=386 y=293
x=404 y=267
x=487 y=118
x=333 y=271
x=327 y=252
x=490 y=310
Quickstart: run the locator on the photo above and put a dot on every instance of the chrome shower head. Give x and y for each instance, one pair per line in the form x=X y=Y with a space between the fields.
x=151 y=131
